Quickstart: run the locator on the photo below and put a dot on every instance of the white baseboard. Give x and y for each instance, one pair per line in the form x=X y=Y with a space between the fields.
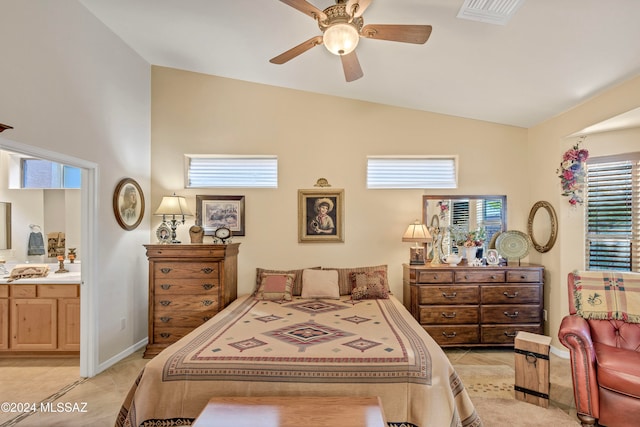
x=118 y=357
x=564 y=354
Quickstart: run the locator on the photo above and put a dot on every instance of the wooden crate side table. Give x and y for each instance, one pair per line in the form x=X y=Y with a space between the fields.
x=532 y=368
x=292 y=411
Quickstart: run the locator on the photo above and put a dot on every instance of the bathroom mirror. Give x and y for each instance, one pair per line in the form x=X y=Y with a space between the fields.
x=542 y=226
x=5 y=225
x=466 y=213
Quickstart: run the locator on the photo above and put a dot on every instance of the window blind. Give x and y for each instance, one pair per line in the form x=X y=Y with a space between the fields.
x=231 y=171
x=412 y=172
x=613 y=213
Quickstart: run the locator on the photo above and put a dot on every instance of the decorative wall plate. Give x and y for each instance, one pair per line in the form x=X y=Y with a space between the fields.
x=513 y=244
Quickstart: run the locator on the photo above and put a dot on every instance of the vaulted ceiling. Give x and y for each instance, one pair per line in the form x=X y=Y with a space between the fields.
x=549 y=57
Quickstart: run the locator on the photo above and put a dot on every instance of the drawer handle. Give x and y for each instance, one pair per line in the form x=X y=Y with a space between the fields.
x=511 y=315
x=165 y=335
x=205 y=318
x=207 y=270
x=449 y=315
x=166 y=270
x=466 y=277
x=510 y=334
x=435 y=277
x=451 y=295
x=165 y=303
x=207 y=302
x=449 y=334
x=165 y=286
x=493 y=277
x=508 y=295
x=207 y=286
x=165 y=319
x=523 y=277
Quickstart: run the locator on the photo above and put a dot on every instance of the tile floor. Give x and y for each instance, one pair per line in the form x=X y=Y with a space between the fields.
x=55 y=380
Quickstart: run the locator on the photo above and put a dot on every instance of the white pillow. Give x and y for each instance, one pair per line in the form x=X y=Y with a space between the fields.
x=320 y=284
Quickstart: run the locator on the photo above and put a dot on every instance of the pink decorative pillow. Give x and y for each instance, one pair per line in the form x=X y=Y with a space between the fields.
x=275 y=287
x=320 y=284
x=369 y=285
x=297 y=284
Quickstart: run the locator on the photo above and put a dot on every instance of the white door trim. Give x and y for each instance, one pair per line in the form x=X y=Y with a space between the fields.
x=89 y=211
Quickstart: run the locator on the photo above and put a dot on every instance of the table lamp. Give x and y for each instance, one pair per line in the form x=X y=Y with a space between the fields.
x=173 y=206
x=417 y=233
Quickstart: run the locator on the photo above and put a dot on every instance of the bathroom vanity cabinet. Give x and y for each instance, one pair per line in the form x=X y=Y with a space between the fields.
x=40 y=317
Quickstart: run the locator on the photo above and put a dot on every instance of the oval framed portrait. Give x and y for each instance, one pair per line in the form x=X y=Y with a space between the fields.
x=128 y=204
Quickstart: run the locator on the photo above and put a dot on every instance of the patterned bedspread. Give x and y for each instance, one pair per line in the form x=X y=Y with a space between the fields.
x=304 y=348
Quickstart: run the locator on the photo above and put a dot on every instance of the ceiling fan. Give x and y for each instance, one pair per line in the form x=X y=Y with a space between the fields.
x=342 y=26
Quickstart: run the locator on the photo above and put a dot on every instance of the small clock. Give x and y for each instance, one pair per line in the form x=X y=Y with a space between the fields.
x=222 y=233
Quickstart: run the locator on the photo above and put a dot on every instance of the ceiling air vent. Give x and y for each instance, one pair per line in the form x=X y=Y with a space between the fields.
x=490 y=11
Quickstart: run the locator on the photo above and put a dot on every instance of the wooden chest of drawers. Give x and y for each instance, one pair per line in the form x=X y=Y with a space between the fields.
x=460 y=306
x=188 y=285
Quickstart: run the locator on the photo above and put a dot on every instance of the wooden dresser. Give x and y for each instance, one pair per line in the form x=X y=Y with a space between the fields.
x=475 y=306
x=188 y=285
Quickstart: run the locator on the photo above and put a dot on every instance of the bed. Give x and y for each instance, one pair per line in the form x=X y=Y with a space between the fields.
x=347 y=342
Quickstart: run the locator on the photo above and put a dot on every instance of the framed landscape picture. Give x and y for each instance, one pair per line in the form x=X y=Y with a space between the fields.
x=321 y=215
x=213 y=212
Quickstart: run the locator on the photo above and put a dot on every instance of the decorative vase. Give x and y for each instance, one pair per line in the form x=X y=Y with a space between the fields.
x=469 y=252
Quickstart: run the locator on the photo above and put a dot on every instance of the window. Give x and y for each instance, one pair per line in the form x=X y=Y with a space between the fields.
x=412 y=172
x=45 y=174
x=231 y=171
x=613 y=213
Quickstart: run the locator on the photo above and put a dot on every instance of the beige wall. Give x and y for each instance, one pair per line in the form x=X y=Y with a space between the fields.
x=321 y=136
x=547 y=142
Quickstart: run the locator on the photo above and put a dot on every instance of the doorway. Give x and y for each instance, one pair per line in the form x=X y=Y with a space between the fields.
x=88 y=215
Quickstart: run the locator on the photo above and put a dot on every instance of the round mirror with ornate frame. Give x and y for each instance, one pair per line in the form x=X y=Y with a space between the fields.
x=543 y=227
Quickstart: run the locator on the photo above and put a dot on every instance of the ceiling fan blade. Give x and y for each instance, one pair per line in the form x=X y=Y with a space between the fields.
x=306 y=8
x=297 y=50
x=351 y=66
x=362 y=5
x=417 y=34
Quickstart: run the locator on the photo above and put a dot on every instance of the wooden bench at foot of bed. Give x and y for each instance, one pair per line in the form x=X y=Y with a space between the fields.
x=273 y=411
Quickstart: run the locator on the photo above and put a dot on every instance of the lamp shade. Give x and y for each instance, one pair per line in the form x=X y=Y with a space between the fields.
x=417 y=232
x=173 y=205
x=341 y=39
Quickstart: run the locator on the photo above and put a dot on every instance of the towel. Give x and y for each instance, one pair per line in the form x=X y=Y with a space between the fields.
x=26 y=271
x=36 y=244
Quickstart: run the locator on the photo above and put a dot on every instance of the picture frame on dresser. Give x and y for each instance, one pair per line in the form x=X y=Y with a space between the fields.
x=492 y=257
x=213 y=212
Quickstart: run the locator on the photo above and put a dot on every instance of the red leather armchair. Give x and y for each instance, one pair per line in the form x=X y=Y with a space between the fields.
x=605 y=366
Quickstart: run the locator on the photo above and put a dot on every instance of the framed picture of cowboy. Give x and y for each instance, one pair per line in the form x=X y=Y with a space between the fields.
x=321 y=215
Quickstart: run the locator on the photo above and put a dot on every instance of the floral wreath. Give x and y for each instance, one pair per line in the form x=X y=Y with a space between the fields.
x=572 y=173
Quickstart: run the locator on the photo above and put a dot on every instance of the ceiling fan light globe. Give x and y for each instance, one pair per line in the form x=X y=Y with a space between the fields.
x=341 y=38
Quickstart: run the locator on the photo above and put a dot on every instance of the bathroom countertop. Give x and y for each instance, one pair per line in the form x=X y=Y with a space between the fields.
x=72 y=277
